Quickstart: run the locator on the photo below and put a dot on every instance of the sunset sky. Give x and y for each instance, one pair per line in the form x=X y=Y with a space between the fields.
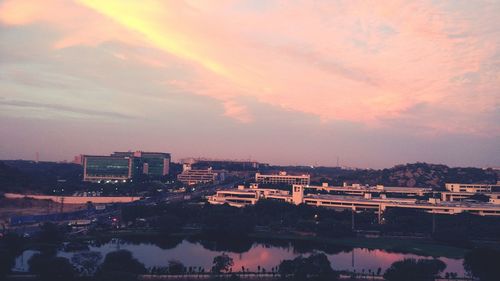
x=375 y=83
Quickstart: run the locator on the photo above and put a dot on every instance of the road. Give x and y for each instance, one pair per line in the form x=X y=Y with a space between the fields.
x=113 y=210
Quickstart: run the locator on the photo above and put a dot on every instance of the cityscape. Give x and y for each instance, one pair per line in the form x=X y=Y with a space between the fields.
x=249 y=140
x=251 y=218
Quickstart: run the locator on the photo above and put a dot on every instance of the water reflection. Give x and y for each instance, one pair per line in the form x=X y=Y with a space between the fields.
x=251 y=254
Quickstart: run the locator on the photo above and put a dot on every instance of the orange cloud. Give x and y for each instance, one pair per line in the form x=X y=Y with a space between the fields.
x=360 y=62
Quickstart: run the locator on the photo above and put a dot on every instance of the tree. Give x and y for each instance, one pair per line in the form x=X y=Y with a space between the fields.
x=122 y=261
x=87 y=262
x=51 y=268
x=168 y=224
x=286 y=268
x=50 y=233
x=11 y=245
x=414 y=270
x=314 y=267
x=175 y=267
x=222 y=263
x=7 y=261
x=483 y=263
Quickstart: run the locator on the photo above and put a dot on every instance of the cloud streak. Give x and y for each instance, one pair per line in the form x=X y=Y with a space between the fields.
x=64 y=108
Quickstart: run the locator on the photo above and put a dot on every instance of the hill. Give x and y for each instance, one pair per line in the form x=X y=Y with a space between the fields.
x=409 y=175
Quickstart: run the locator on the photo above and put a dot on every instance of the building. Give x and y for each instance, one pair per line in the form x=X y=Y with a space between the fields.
x=495 y=198
x=194 y=176
x=78 y=159
x=123 y=166
x=152 y=164
x=472 y=188
x=107 y=168
x=361 y=190
x=249 y=196
x=222 y=164
x=283 y=178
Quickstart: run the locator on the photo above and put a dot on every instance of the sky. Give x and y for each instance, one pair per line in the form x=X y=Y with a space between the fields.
x=370 y=83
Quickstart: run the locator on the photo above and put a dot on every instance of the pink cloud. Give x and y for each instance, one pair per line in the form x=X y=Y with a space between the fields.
x=348 y=60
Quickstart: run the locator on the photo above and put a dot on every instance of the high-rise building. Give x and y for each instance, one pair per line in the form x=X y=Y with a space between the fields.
x=153 y=164
x=98 y=168
x=121 y=166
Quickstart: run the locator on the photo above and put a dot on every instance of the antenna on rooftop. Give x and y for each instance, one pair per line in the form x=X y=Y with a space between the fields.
x=37 y=157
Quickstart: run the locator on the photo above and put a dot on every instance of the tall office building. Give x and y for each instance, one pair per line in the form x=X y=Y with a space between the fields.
x=99 y=168
x=154 y=164
x=121 y=166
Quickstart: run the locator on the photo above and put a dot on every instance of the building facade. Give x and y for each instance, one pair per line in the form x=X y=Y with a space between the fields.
x=153 y=164
x=107 y=168
x=123 y=166
x=219 y=164
x=472 y=188
x=194 y=176
x=283 y=178
x=249 y=196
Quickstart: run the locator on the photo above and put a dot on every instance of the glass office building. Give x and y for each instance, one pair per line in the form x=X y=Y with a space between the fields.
x=99 y=168
x=155 y=164
x=121 y=166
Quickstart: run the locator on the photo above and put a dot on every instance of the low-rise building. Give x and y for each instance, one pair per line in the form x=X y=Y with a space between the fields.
x=249 y=196
x=282 y=178
x=194 y=176
x=472 y=188
x=361 y=190
x=495 y=198
x=222 y=164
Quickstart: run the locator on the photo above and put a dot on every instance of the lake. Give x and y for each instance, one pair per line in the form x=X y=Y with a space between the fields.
x=247 y=253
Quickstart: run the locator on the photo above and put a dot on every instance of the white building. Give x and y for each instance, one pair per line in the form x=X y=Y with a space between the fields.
x=472 y=188
x=283 y=177
x=191 y=176
x=361 y=190
x=249 y=196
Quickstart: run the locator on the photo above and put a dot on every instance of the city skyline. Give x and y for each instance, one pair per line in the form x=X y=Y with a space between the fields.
x=299 y=83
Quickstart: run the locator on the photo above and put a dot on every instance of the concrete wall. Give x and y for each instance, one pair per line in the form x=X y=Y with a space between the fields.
x=75 y=199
